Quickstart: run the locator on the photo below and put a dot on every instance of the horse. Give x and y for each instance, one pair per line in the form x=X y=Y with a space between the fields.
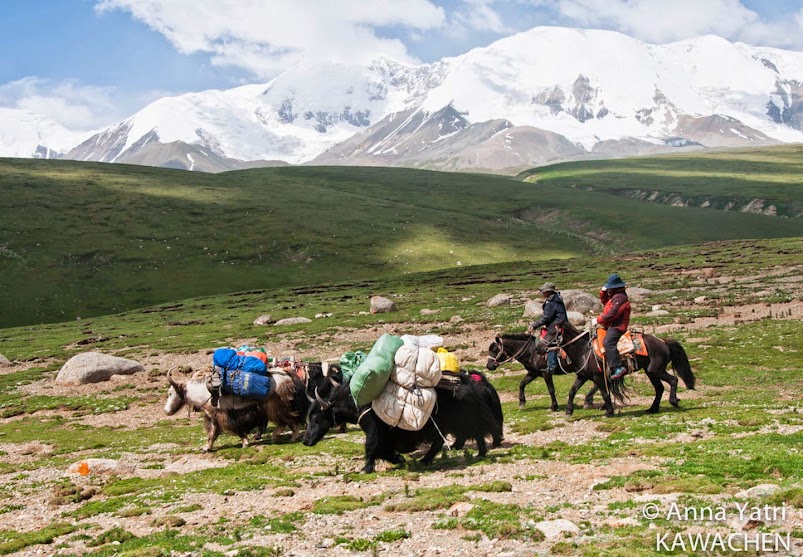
x=583 y=362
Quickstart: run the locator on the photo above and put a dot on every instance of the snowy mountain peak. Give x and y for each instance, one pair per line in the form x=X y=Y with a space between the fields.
x=574 y=90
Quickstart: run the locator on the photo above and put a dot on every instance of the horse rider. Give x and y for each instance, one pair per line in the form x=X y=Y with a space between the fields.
x=553 y=320
x=615 y=318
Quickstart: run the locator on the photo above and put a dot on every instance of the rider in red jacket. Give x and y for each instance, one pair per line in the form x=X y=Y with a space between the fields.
x=615 y=318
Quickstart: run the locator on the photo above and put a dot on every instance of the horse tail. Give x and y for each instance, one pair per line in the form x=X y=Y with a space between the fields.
x=680 y=363
x=619 y=390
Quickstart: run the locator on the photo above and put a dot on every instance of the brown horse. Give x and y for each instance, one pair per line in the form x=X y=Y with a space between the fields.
x=577 y=345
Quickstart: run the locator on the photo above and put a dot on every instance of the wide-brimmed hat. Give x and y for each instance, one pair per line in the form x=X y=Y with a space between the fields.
x=614 y=281
x=548 y=287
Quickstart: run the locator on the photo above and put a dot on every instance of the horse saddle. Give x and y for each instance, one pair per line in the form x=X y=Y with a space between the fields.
x=630 y=343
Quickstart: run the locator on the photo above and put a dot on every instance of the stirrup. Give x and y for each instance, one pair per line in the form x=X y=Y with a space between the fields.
x=619 y=373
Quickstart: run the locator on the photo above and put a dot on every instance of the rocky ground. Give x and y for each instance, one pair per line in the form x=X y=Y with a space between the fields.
x=558 y=485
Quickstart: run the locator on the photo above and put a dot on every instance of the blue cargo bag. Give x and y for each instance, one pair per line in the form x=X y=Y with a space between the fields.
x=243 y=376
x=247 y=385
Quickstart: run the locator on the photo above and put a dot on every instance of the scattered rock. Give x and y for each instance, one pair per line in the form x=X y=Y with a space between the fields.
x=460 y=509
x=700 y=299
x=466 y=298
x=327 y=543
x=553 y=529
x=761 y=490
x=323 y=315
x=94 y=367
x=635 y=293
x=4 y=361
x=656 y=307
x=96 y=466
x=622 y=522
x=169 y=521
x=292 y=321
x=499 y=300
x=364 y=313
x=426 y=311
x=576 y=318
x=266 y=319
x=382 y=305
x=656 y=313
x=456 y=319
x=577 y=300
x=533 y=308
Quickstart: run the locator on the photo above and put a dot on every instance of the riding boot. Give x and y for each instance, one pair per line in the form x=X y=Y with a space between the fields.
x=618 y=372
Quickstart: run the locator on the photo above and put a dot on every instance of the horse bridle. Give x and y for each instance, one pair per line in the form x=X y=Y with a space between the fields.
x=514 y=356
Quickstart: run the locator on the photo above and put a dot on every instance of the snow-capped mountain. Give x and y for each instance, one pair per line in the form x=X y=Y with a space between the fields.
x=546 y=94
x=27 y=134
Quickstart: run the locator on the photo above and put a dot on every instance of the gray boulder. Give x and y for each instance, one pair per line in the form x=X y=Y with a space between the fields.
x=554 y=529
x=380 y=304
x=94 y=367
x=4 y=362
x=576 y=318
x=292 y=321
x=636 y=294
x=533 y=309
x=264 y=320
x=499 y=300
x=577 y=300
x=656 y=313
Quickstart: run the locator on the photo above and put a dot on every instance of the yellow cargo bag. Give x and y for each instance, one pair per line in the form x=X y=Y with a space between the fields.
x=448 y=360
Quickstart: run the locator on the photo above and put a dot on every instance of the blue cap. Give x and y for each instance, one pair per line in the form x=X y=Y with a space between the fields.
x=614 y=281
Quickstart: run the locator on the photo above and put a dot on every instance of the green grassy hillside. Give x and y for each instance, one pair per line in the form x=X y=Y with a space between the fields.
x=83 y=239
x=767 y=180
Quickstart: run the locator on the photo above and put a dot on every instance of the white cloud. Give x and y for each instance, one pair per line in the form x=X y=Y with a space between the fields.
x=480 y=15
x=661 y=21
x=76 y=106
x=264 y=37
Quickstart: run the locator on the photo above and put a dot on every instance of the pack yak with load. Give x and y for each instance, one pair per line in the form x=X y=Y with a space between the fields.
x=247 y=398
x=398 y=394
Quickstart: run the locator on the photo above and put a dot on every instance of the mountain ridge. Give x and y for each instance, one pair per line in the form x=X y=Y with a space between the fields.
x=573 y=93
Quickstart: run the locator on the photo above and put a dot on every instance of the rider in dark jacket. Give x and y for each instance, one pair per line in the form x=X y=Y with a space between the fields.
x=615 y=318
x=553 y=319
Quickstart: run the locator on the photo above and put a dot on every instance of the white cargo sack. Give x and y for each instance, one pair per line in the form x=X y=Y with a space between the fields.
x=406 y=409
x=409 y=398
x=416 y=366
x=425 y=341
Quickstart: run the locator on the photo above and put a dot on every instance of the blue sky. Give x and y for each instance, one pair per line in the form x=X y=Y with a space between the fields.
x=89 y=63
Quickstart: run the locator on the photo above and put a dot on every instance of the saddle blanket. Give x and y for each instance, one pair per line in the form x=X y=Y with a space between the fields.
x=629 y=344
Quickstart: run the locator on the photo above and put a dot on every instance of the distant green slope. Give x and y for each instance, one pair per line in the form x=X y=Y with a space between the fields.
x=83 y=239
x=769 y=179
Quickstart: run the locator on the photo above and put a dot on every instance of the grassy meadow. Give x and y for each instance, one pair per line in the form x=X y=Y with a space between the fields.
x=729 y=179
x=87 y=239
x=741 y=428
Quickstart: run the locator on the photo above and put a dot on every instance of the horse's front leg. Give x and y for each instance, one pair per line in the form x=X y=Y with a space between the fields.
x=550 y=386
x=524 y=382
x=588 y=402
x=579 y=381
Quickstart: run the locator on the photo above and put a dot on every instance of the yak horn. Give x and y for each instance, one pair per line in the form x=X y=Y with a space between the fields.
x=173 y=382
x=334 y=382
x=309 y=398
x=324 y=404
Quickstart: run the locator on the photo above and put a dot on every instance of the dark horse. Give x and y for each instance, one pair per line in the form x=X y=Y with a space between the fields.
x=577 y=345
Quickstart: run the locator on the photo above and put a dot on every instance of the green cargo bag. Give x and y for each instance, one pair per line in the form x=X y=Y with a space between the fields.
x=350 y=361
x=373 y=374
